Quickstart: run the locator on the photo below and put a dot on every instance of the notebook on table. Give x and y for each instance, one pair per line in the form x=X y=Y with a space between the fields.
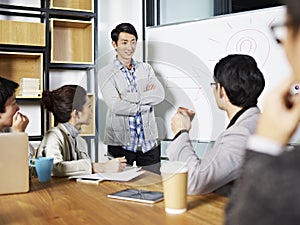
x=138 y=195
x=14 y=170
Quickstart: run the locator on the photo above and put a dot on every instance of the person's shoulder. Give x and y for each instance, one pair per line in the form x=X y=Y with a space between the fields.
x=142 y=64
x=252 y=111
x=107 y=66
x=56 y=131
x=107 y=72
x=250 y=114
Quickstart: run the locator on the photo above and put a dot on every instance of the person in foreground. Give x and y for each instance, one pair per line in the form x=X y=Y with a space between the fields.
x=71 y=108
x=130 y=90
x=238 y=84
x=9 y=110
x=268 y=191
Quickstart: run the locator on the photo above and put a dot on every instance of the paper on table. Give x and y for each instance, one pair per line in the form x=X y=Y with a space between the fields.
x=125 y=175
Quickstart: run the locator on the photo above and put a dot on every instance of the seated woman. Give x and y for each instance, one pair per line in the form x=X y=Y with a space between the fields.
x=71 y=108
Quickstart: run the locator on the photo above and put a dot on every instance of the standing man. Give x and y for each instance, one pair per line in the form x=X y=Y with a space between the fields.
x=238 y=84
x=131 y=90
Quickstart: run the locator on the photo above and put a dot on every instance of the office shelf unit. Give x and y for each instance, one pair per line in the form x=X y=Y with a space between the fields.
x=61 y=37
x=22 y=55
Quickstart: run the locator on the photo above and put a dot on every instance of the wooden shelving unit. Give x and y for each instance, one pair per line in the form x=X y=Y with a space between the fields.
x=77 y=5
x=64 y=39
x=17 y=65
x=22 y=33
x=72 y=41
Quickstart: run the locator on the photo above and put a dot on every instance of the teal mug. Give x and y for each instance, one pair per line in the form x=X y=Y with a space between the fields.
x=43 y=167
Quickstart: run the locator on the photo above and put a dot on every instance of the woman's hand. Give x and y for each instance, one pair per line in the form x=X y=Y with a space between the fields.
x=110 y=166
x=115 y=165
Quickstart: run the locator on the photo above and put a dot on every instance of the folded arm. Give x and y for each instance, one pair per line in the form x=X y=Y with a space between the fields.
x=121 y=102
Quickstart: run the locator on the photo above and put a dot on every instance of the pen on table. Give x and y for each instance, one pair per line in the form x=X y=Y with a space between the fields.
x=88 y=181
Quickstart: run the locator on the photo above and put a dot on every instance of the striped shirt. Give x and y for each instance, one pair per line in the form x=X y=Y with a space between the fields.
x=137 y=137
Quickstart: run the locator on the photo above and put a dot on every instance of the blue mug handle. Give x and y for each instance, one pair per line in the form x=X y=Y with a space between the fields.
x=31 y=161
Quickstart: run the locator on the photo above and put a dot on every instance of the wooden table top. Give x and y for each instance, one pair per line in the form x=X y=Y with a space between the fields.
x=64 y=201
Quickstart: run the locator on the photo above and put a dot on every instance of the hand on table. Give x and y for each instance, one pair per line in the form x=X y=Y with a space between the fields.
x=110 y=166
x=115 y=165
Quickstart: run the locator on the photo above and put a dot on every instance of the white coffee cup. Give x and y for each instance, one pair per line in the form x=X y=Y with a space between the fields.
x=174 y=177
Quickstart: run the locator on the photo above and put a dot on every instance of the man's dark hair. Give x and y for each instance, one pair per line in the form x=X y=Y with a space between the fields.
x=7 y=89
x=293 y=8
x=241 y=79
x=123 y=27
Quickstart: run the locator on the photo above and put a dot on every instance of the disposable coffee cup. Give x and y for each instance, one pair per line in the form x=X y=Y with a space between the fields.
x=43 y=167
x=190 y=112
x=174 y=177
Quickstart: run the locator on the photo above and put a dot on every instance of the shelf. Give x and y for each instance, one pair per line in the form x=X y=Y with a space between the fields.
x=22 y=33
x=71 y=66
x=71 y=15
x=77 y=5
x=17 y=65
x=59 y=34
x=72 y=41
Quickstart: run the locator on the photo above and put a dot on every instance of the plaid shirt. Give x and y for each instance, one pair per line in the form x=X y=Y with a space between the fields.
x=137 y=137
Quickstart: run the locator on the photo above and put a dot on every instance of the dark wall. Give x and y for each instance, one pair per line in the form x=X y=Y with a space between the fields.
x=244 y=5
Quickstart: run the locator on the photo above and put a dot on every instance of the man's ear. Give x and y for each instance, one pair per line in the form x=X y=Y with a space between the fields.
x=220 y=90
x=223 y=93
x=114 y=44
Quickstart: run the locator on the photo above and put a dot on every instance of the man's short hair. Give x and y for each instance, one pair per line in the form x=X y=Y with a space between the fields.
x=7 y=89
x=293 y=7
x=123 y=27
x=241 y=79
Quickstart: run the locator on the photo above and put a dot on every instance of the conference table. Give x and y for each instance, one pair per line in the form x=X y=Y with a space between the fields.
x=62 y=201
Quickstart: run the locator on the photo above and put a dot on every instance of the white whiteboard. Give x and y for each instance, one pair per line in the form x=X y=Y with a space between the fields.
x=184 y=55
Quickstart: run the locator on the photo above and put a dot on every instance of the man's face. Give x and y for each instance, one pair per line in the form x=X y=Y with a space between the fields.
x=11 y=107
x=125 y=46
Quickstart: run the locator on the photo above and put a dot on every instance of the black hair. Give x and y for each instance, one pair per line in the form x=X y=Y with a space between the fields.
x=293 y=9
x=7 y=89
x=62 y=101
x=241 y=79
x=123 y=27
